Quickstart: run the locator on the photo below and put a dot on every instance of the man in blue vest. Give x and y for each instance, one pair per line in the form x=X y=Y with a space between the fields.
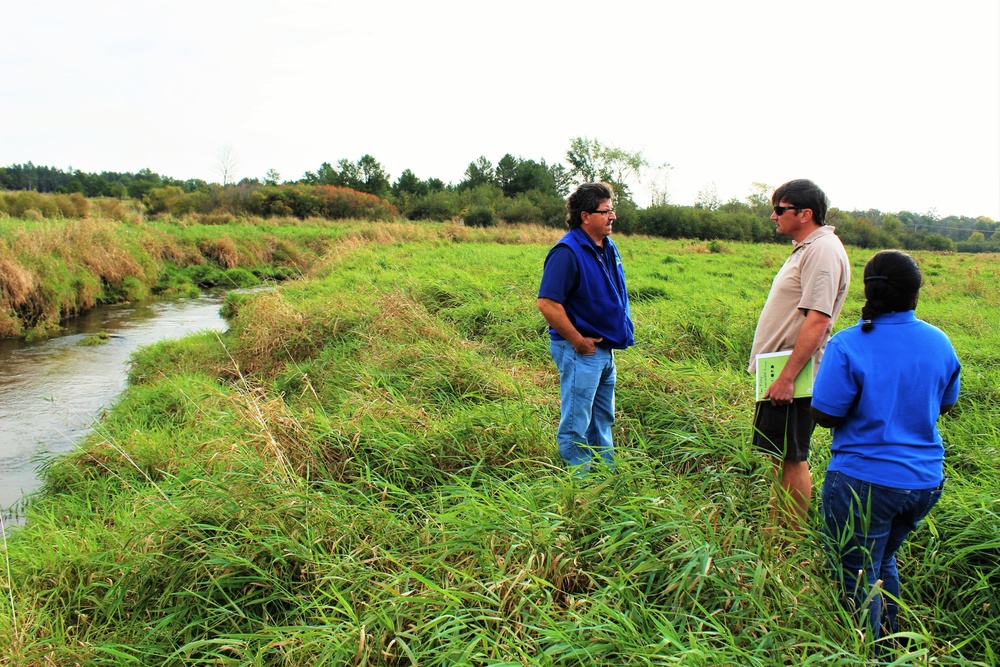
x=583 y=298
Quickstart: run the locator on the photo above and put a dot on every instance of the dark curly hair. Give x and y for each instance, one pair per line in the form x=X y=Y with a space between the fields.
x=586 y=199
x=892 y=284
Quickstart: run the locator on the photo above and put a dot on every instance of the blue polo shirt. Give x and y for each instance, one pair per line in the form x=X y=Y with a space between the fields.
x=889 y=385
x=589 y=282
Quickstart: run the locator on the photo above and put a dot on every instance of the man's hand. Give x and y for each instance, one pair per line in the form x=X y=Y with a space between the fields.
x=586 y=346
x=781 y=391
x=557 y=318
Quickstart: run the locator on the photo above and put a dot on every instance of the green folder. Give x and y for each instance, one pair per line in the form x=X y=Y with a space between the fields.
x=769 y=367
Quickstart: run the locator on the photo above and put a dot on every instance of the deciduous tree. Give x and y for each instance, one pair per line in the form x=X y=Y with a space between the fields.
x=759 y=198
x=708 y=197
x=590 y=160
x=227 y=164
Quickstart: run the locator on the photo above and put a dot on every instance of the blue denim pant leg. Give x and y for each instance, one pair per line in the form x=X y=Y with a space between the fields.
x=587 y=403
x=864 y=525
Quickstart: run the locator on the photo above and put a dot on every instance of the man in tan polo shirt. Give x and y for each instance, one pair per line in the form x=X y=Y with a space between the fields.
x=805 y=299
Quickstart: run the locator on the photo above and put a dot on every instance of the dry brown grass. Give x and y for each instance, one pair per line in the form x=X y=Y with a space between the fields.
x=58 y=268
x=406 y=232
x=217 y=219
x=288 y=254
x=402 y=318
x=163 y=247
x=276 y=432
x=336 y=256
x=270 y=331
x=506 y=234
x=222 y=250
x=230 y=254
x=95 y=244
x=20 y=298
x=17 y=283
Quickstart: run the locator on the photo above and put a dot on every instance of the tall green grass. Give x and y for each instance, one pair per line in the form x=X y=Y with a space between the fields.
x=362 y=471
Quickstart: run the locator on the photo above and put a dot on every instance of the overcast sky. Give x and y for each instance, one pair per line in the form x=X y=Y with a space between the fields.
x=893 y=105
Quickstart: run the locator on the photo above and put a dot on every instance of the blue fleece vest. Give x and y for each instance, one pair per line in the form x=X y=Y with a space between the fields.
x=598 y=307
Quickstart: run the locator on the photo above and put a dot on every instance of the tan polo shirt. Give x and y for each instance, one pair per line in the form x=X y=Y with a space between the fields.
x=814 y=277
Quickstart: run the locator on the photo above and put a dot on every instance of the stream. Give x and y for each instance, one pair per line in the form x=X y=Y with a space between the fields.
x=52 y=391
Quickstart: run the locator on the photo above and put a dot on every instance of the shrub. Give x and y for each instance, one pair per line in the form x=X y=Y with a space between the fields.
x=313 y=201
x=18 y=204
x=521 y=209
x=341 y=203
x=552 y=207
x=480 y=216
x=162 y=200
x=485 y=194
x=73 y=205
x=687 y=222
x=438 y=205
x=108 y=208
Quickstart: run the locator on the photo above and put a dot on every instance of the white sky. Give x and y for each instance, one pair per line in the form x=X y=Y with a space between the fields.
x=886 y=104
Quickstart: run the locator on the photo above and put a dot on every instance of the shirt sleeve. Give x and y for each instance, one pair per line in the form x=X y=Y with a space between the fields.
x=950 y=396
x=559 y=277
x=820 y=277
x=834 y=389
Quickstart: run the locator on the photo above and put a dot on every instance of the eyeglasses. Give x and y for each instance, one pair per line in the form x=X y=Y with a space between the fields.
x=608 y=211
x=780 y=210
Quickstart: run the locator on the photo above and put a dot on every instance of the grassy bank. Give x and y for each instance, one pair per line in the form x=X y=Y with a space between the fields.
x=54 y=269
x=362 y=471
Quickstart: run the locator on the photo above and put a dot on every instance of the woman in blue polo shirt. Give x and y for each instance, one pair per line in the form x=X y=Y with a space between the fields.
x=882 y=385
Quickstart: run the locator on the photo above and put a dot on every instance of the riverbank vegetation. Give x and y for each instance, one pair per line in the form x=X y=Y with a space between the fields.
x=51 y=269
x=362 y=471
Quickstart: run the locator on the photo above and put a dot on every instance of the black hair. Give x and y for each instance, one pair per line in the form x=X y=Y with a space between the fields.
x=892 y=285
x=805 y=194
x=586 y=199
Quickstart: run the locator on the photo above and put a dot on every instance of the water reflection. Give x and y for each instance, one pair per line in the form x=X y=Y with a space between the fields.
x=52 y=391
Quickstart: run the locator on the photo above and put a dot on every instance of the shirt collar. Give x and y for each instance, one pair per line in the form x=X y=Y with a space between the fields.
x=817 y=233
x=584 y=235
x=898 y=317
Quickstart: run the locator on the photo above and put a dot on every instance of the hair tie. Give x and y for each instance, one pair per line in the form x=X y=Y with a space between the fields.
x=867 y=278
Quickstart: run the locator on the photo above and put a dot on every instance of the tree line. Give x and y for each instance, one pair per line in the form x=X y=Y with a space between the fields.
x=514 y=189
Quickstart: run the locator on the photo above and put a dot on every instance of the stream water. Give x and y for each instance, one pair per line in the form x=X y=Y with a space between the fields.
x=52 y=391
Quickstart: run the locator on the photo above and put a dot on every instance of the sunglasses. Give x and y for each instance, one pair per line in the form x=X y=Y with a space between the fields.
x=780 y=210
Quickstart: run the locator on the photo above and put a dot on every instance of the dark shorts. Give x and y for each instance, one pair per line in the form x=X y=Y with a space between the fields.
x=783 y=431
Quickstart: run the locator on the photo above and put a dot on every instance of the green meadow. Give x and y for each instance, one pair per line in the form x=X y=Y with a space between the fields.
x=362 y=471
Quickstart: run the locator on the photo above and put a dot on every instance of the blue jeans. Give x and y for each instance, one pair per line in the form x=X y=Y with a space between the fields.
x=587 y=400
x=864 y=525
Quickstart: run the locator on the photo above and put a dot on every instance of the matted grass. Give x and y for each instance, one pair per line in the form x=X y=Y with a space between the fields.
x=363 y=472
